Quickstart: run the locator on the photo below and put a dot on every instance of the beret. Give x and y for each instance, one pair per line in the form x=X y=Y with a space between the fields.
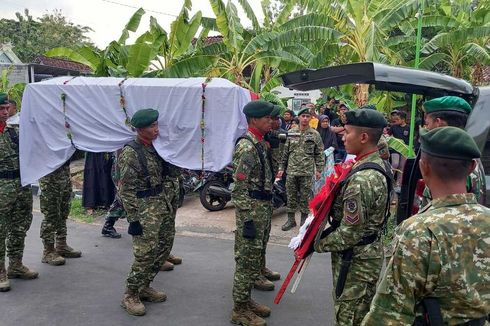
x=143 y=118
x=449 y=142
x=363 y=118
x=258 y=109
x=3 y=98
x=291 y=112
x=276 y=111
x=368 y=107
x=447 y=103
x=305 y=110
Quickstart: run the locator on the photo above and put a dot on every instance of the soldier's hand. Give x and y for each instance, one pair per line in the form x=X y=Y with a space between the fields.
x=249 y=230
x=311 y=249
x=135 y=228
x=318 y=175
x=279 y=174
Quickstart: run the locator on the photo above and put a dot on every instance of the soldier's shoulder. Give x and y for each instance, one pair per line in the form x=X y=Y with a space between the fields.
x=127 y=152
x=244 y=144
x=313 y=131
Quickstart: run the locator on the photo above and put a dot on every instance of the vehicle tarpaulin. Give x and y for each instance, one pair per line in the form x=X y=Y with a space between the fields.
x=91 y=115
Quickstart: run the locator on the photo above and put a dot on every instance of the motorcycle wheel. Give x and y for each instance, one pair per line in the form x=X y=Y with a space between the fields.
x=211 y=202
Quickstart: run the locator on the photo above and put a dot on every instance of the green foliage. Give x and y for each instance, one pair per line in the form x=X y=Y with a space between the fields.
x=15 y=91
x=77 y=212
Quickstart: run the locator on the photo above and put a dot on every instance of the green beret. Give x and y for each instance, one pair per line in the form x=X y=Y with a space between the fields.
x=449 y=142
x=305 y=110
x=258 y=109
x=364 y=118
x=3 y=98
x=276 y=111
x=144 y=118
x=368 y=107
x=447 y=103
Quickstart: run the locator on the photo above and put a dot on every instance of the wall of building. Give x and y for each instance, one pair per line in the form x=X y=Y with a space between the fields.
x=18 y=74
x=297 y=97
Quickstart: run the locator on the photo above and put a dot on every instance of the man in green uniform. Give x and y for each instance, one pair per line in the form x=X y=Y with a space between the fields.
x=453 y=111
x=252 y=197
x=439 y=268
x=15 y=211
x=142 y=193
x=358 y=217
x=302 y=158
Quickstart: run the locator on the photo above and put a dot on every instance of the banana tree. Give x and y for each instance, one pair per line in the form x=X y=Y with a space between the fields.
x=14 y=92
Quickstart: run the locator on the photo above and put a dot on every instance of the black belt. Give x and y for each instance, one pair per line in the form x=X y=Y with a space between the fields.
x=10 y=174
x=149 y=192
x=260 y=195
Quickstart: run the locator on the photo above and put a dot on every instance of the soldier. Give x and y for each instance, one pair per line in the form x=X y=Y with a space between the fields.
x=15 y=206
x=453 y=111
x=303 y=158
x=142 y=193
x=276 y=144
x=116 y=211
x=358 y=216
x=439 y=269
x=55 y=202
x=252 y=197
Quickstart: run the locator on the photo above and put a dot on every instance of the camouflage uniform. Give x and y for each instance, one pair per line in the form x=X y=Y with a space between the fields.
x=116 y=211
x=360 y=209
x=250 y=253
x=55 y=203
x=277 y=148
x=443 y=253
x=383 y=147
x=301 y=156
x=16 y=203
x=150 y=211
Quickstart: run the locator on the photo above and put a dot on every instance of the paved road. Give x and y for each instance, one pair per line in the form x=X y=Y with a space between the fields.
x=87 y=291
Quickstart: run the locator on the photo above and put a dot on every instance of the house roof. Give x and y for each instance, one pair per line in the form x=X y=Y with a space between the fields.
x=62 y=64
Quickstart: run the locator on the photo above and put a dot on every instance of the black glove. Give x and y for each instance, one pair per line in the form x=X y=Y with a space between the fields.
x=326 y=232
x=135 y=228
x=249 y=230
x=311 y=249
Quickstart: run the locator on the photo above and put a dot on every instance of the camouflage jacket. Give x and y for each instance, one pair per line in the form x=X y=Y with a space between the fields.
x=444 y=253
x=247 y=171
x=360 y=209
x=132 y=178
x=303 y=153
x=9 y=152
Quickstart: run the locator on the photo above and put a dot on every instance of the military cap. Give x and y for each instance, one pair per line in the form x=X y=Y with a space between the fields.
x=3 y=98
x=258 y=109
x=368 y=107
x=276 y=111
x=447 y=103
x=363 y=118
x=144 y=118
x=342 y=104
x=449 y=142
x=305 y=110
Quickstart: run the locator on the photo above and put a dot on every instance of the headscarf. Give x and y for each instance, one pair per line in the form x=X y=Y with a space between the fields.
x=329 y=138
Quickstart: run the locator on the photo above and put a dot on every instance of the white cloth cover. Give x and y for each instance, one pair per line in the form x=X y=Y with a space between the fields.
x=97 y=121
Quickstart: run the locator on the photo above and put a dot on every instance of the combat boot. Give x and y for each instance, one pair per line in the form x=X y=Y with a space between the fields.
x=243 y=315
x=149 y=294
x=303 y=218
x=108 y=229
x=270 y=275
x=51 y=256
x=260 y=310
x=132 y=303
x=4 y=280
x=65 y=250
x=263 y=284
x=291 y=223
x=167 y=266
x=19 y=270
x=174 y=259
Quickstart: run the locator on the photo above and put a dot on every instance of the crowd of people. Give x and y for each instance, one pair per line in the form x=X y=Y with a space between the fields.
x=439 y=257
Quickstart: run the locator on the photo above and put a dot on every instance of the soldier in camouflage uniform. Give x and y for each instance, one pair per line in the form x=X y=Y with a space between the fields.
x=15 y=206
x=302 y=158
x=358 y=217
x=116 y=211
x=252 y=197
x=453 y=111
x=440 y=263
x=144 y=199
x=55 y=202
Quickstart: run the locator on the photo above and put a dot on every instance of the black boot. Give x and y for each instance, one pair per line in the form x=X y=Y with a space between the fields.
x=303 y=218
x=108 y=230
x=291 y=223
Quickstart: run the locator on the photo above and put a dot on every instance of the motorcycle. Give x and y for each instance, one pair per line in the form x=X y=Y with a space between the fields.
x=191 y=181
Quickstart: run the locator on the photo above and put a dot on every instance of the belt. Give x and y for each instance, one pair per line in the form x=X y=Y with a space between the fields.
x=14 y=174
x=260 y=195
x=149 y=192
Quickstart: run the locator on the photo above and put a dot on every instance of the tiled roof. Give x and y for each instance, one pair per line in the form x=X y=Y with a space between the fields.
x=62 y=63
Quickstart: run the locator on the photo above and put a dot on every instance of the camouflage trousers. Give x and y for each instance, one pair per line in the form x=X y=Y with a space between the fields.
x=360 y=287
x=299 y=191
x=150 y=250
x=116 y=211
x=250 y=253
x=15 y=218
x=55 y=203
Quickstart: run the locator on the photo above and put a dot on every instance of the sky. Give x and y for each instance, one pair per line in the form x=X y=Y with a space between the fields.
x=108 y=17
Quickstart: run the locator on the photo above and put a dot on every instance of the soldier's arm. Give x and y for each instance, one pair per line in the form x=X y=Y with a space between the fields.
x=362 y=190
x=285 y=156
x=410 y=275
x=319 y=155
x=242 y=168
x=128 y=165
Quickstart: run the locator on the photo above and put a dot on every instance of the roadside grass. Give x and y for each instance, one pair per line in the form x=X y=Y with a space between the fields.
x=78 y=213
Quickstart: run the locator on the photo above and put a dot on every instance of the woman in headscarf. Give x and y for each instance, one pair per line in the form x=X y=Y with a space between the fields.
x=329 y=138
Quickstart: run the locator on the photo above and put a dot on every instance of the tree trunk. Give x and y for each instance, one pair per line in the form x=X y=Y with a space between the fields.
x=477 y=75
x=361 y=94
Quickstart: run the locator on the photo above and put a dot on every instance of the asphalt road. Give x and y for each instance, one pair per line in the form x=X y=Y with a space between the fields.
x=88 y=290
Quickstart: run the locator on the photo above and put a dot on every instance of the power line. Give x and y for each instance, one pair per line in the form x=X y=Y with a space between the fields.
x=134 y=7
